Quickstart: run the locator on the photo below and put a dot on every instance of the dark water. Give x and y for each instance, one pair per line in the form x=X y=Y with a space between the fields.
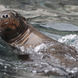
x=57 y=19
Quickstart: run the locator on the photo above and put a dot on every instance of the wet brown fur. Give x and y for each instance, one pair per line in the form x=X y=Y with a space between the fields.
x=23 y=34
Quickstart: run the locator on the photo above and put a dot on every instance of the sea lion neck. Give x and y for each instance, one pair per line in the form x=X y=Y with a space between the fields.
x=22 y=36
x=15 y=35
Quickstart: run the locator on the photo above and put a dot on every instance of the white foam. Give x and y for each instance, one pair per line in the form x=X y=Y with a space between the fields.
x=70 y=57
x=67 y=37
x=34 y=71
x=46 y=71
x=74 y=70
x=22 y=48
x=5 y=67
x=39 y=47
x=71 y=40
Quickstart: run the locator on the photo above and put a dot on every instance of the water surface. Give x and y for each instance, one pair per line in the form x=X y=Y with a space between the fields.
x=57 y=19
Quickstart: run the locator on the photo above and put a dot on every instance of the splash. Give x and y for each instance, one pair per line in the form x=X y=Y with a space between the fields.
x=67 y=38
x=43 y=62
x=71 y=40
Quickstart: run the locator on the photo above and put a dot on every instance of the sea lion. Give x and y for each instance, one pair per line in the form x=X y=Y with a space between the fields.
x=15 y=30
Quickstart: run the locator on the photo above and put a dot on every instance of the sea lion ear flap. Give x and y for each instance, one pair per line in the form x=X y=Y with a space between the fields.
x=24 y=20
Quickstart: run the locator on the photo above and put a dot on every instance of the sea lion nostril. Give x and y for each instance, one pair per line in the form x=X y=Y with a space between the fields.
x=5 y=16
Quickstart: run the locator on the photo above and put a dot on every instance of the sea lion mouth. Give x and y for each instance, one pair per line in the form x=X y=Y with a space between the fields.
x=6 y=27
x=3 y=24
x=6 y=23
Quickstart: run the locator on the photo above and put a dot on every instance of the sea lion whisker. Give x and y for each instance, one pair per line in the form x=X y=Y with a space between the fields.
x=6 y=23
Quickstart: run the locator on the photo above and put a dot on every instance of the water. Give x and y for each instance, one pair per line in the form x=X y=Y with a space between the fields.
x=57 y=19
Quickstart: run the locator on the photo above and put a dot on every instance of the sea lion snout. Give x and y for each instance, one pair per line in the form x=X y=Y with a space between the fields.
x=8 y=20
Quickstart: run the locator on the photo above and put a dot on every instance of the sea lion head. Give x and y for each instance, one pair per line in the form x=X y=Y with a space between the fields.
x=11 y=24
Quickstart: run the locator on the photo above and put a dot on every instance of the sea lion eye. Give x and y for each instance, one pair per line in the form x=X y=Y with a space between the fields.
x=5 y=16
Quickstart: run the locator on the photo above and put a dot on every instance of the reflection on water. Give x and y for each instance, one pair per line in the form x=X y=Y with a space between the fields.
x=55 y=18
